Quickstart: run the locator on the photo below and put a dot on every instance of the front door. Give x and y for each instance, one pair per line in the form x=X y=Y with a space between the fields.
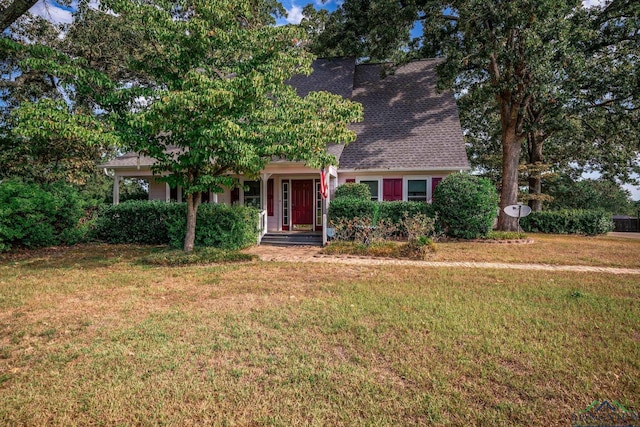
x=302 y=204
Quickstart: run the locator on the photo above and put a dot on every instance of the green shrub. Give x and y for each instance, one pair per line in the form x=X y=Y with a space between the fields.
x=589 y=222
x=143 y=222
x=353 y=190
x=139 y=222
x=218 y=225
x=33 y=215
x=466 y=205
x=395 y=212
x=347 y=208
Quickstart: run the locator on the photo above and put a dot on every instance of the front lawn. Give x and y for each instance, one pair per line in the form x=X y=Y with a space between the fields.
x=89 y=336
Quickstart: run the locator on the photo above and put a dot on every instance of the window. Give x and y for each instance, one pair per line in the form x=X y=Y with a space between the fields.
x=417 y=190
x=373 y=187
x=285 y=205
x=252 y=194
x=318 y=204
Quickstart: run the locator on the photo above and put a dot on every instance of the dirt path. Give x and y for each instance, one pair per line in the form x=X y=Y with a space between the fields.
x=312 y=254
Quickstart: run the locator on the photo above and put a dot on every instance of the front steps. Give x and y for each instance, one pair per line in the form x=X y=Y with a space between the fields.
x=292 y=239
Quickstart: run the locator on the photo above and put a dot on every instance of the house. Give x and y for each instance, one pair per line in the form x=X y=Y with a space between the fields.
x=409 y=140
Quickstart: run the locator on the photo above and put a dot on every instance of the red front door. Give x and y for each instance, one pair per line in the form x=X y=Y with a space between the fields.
x=302 y=204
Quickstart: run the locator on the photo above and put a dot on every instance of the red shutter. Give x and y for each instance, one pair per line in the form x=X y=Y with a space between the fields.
x=351 y=180
x=392 y=189
x=434 y=184
x=235 y=195
x=270 y=197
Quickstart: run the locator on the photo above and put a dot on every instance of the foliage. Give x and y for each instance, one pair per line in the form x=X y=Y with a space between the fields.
x=219 y=97
x=353 y=190
x=363 y=230
x=153 y=223
x=220 y=226
x=589 y=194
x=346 y=208
x=49 y=143
x=397 y=211
x=527 y=74
x=466 y=205
x=589 y=222
x=138 y=222
x=33 y=215
x=421 y=234
x=170 y=258
x=419 y=227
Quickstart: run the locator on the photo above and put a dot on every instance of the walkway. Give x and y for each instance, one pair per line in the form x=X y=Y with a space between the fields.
x=312 y=254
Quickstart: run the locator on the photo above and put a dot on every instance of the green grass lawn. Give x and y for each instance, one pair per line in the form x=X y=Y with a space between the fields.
x=88 y=336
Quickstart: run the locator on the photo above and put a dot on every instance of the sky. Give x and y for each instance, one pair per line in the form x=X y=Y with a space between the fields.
x=55 y=12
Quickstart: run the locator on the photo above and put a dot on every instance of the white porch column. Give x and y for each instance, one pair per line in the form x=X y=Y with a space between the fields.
x=116 y=189
x=264 y=177
x=167 y=192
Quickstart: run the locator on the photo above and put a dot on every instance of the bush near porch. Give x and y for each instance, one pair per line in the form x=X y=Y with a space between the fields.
x=159 y=223
x=464 y=206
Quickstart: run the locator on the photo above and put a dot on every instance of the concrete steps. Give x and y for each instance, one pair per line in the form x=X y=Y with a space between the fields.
x=292 y=239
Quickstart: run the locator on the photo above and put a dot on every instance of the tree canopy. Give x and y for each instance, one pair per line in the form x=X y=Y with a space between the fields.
x=526 y=73
x=215 y=102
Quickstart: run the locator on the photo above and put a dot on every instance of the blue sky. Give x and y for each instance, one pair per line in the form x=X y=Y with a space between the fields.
x=294 y=8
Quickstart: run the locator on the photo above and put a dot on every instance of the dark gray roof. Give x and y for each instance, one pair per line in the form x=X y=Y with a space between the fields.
x=407 y=123
x=333 y=75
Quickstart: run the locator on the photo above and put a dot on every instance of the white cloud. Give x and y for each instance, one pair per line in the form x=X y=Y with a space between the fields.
x=51 y=12
x=591 y=3
x=294 y=15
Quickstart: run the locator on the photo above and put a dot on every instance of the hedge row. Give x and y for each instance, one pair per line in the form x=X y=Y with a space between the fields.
x=589 y=222
x=346 y=208
x=142 y=222
x=354 y=190
x=34 y=216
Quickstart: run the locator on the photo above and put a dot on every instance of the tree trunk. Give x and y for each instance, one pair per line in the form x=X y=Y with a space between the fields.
x=535 y=179
x=193 y=201
x=511 y=149
x=15 y=10
x=535 y=188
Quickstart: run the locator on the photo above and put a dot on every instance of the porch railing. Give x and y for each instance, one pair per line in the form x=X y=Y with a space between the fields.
x=262 y=225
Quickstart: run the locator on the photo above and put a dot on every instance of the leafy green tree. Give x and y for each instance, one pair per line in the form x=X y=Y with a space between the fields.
x=218 y=103
x=589 y=194
x=549 y=72
x=50 y=143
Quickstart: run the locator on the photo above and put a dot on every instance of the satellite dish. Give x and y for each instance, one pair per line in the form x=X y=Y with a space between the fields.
x=517 y=211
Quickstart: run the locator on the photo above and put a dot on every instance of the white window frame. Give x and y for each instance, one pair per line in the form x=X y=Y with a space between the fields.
x=372 y=178
x=405 y=185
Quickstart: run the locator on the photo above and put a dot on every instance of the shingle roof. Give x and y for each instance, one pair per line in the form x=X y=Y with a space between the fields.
x=333 y=75
x=407 y=123
x=131 y=159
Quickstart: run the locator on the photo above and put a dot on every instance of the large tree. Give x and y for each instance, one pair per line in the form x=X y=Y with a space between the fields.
x=508 y=58
x=216 y=102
